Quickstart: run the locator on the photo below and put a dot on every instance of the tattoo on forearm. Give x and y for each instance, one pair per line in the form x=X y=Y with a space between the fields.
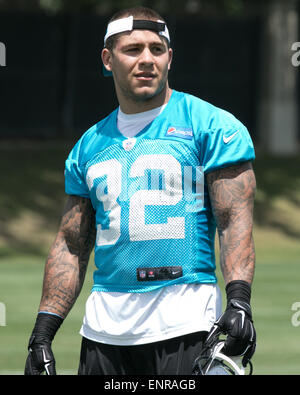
x=68 y=258
x=232 y=193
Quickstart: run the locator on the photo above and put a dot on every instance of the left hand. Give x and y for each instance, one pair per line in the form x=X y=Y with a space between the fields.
x=236 y=322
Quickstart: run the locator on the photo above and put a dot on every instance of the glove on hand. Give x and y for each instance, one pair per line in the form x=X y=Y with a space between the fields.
x=40 y=356
x=236 y=322
x=40 y=359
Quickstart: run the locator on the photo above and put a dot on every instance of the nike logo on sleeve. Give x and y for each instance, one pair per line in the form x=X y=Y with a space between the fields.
x=227 y=139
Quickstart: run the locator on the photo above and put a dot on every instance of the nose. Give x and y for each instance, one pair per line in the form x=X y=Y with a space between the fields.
x=146 y=57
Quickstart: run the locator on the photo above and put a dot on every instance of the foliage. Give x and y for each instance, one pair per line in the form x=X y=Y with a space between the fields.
x=203 y=7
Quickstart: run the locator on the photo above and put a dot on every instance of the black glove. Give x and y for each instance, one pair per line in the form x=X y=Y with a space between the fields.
x=236 y=322
x=40 y=356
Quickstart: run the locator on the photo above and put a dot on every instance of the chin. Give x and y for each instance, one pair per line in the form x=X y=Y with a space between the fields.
x=147 y=93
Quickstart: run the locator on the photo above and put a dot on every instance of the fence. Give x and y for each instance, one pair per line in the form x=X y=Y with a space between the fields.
x=52 y=84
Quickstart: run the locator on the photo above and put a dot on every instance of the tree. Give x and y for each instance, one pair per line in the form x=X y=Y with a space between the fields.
x=197 y=7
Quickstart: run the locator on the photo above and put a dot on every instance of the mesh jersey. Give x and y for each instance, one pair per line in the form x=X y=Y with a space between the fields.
x=150 y=196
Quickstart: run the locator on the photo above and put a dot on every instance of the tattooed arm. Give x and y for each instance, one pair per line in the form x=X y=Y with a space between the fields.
x=232 y=191
x=63 y=279
x=68 y=258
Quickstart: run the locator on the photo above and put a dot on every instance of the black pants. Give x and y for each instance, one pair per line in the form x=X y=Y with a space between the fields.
x=168 y=357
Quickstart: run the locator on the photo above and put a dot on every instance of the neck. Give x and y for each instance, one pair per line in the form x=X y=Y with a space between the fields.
x=133 y=106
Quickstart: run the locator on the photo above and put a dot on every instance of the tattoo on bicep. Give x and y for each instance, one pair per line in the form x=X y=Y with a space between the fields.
x=232 y=193
x=68 y=257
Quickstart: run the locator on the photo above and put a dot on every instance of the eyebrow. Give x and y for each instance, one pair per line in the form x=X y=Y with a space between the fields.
x=141 y=44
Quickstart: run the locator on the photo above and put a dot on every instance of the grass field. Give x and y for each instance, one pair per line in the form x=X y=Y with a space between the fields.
x=31 y=202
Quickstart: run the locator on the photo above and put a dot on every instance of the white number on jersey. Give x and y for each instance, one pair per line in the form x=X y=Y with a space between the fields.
x=174 y=228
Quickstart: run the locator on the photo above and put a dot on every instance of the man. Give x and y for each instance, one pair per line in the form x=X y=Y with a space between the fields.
x=154 y=179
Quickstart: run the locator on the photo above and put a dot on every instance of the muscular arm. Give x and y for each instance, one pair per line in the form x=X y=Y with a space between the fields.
x=68 y=257
x=232 y=193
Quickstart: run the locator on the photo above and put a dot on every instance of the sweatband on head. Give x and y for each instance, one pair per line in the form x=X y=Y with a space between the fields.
x=129 y=24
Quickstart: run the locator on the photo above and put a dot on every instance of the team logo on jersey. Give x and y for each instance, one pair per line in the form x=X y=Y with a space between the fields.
x=129 y=143
x=181 y=132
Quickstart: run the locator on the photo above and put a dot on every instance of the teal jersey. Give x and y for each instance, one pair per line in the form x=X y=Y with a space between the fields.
x=154 y=220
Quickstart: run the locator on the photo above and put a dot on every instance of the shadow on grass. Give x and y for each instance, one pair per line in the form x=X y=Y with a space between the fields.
x=32 y=181
x=278 y=179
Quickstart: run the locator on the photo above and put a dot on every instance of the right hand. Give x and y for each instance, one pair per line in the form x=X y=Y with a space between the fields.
x=40 y=358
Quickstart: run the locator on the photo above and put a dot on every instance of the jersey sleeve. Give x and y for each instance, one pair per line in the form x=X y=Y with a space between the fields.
x=75 y=183
x=226 y=145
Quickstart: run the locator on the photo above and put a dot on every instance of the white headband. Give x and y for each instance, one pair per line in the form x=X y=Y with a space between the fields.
x=128 y=24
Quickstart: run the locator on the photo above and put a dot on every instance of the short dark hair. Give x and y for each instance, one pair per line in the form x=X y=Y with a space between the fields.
x=137 y=12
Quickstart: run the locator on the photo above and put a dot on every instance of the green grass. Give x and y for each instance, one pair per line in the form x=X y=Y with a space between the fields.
x=31 y=202
x=275 y=289
x=20 y=285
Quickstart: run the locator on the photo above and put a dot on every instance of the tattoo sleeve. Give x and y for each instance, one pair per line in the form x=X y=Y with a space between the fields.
x=68 y=257
x=232 y=192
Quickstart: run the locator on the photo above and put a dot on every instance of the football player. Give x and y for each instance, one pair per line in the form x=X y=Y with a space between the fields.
x=148 y=186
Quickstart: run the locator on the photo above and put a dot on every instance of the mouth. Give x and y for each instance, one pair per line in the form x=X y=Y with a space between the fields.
x=145 y=76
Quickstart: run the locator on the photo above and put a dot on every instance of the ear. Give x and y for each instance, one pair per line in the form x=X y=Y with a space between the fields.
x=106 y=57
x=170 y=58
